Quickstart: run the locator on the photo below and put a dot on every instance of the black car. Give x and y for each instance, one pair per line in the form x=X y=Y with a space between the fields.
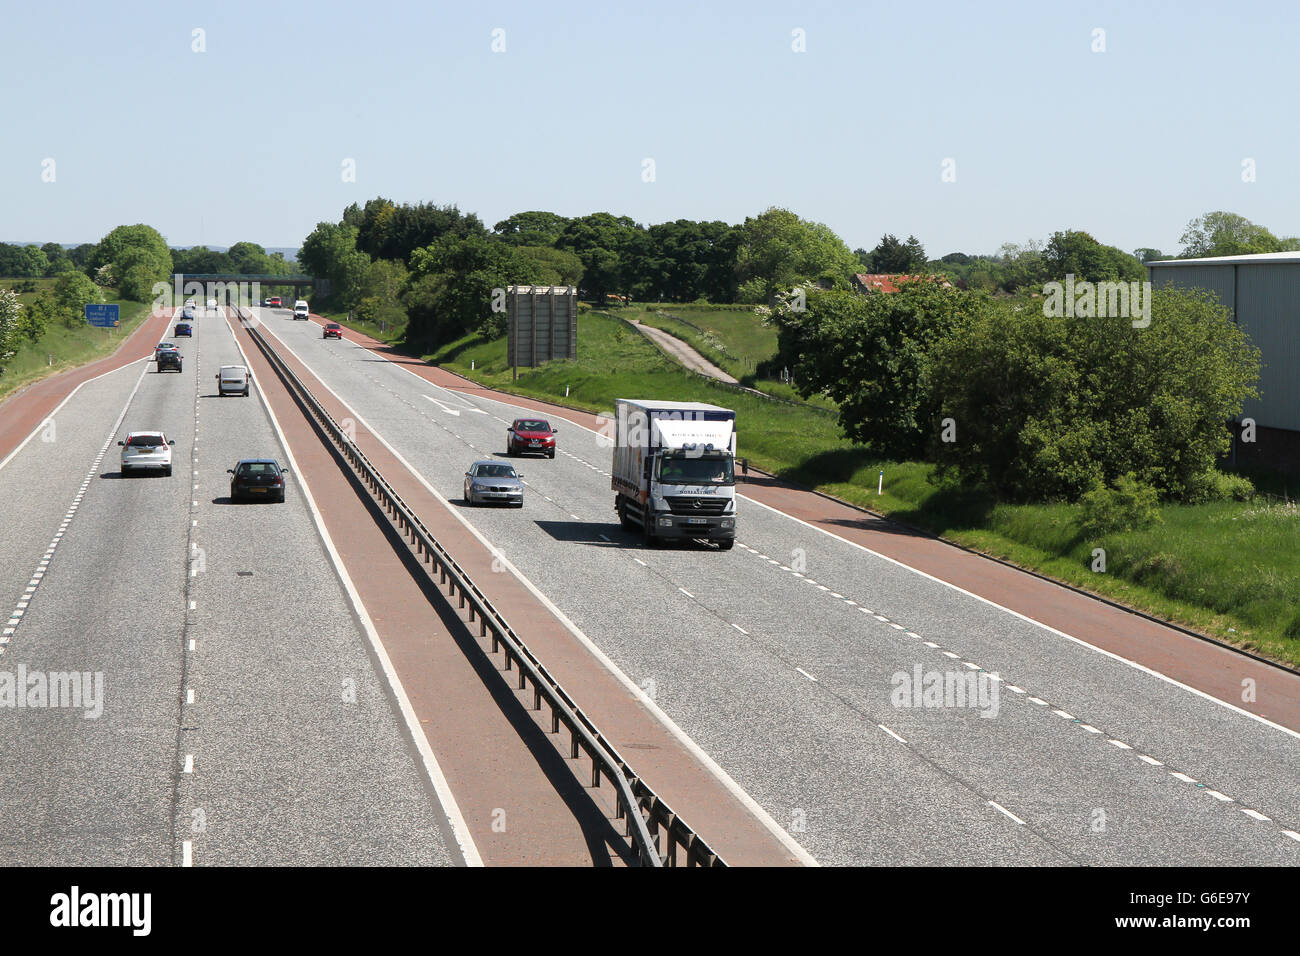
x=183 y=328
x=169 y=359
x=257 y=478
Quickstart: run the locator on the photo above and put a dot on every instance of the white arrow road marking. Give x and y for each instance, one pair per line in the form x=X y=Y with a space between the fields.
x=454 y=411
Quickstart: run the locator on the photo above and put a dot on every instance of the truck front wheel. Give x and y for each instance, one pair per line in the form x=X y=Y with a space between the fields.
x=648 y=536
x=727 y=544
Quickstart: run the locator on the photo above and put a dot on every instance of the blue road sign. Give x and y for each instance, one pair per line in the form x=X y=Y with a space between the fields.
x=104 y=316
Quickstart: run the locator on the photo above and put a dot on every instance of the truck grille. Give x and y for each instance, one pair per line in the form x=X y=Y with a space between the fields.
x=692 y=505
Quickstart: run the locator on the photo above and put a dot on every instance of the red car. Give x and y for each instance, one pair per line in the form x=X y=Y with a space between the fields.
x=275 y=302
x=333 y=331
x=530 y=435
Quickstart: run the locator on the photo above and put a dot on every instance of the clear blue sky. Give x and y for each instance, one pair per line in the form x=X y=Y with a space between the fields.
x=246 y=140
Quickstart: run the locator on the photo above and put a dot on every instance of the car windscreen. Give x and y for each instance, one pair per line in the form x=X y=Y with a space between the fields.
x=494 y=471
x=532 y=425
x=145 y=441
x=251 y=468
x=696 y=471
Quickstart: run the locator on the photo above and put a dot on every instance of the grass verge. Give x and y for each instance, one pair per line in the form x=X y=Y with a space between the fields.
x=62 y=348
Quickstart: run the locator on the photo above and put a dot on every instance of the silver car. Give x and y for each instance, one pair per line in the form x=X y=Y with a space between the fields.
x=490 y=480
x=146 y=451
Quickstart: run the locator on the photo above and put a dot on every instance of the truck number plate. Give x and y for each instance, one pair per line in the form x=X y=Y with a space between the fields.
x=697 y=520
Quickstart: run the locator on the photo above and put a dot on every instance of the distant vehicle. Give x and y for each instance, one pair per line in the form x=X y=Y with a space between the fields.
x=169 y=359
x=188 y=312
x=183 y=328
x=164 y=347
x=489 y=480
x=190 y=303
x=300 y=310
x=212 y=306
x=274 y=302
x=533 y=435
x=257 y=478
x=674 y=470
x=232 y=380
x=266 y=302
x=146 y=450
x=333 y=331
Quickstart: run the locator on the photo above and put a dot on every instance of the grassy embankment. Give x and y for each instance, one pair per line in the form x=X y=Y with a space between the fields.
x=62 y=348
x=1227 y=569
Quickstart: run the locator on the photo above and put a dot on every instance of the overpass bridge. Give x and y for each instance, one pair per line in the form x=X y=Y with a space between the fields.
x=228 y=280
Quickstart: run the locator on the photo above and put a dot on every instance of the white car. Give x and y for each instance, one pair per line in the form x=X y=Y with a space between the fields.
x=301 y=310
x=212 y=306
x=146 y=451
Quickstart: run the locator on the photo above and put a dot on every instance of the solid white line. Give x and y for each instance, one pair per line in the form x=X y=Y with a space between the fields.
x=1029 y=620
x=686 y=592
x=806 y=674
x=683 y=738
x=460 y=830
x=1002 y=809
x=740 y=629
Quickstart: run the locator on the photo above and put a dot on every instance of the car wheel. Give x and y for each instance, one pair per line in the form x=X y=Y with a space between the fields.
x=727 y=545
x=551 y=454
x=245 y=393
x=167 y=472
x=281 y=498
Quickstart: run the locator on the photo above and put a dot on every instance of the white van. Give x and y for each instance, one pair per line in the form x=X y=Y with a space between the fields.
x=232 y=380
x=300 y=310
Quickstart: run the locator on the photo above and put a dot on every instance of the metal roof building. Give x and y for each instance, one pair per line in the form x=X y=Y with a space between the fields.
x=1263 y=292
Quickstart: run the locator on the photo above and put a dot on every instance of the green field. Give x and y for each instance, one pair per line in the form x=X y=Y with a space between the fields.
x=1228 y=569
x=61 y=348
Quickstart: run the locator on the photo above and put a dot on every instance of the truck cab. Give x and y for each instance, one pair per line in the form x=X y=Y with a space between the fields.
x=674 y=470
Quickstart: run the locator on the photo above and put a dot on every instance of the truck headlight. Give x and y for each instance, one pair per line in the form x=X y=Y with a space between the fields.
x=728 y=523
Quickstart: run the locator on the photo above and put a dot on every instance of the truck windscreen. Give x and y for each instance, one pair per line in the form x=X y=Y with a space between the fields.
x=696 y=471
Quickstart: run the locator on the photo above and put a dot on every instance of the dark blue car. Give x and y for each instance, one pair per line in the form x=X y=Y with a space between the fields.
x=183 y=328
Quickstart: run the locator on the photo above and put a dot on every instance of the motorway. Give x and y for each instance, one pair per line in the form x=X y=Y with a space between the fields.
x=243 y=721
x=777 y=660
x=246 y=719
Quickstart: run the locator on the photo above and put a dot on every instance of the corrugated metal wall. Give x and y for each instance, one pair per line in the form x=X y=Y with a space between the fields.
x=1268 y=308
x=1266 y=301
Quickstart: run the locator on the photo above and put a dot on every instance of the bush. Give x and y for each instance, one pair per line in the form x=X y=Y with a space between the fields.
x=1128 y=506
x=1216 y=486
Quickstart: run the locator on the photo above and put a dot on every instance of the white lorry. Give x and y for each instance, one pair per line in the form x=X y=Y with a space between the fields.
x=674 y=470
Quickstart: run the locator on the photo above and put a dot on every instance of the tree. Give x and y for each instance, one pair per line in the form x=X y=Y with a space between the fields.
x=778 y=251
x=330 y=252
x=552 y=266
x=72 y=293
x=10 y=315
x=1146 y=254
x=534 y=228
x=388 y=231
x=1049 y=408
x=1226 y=234
x=871 y=354
x=893 y=256
x=452 y=288
x=139 y=258
x=1076 y=253
x=600 y=242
